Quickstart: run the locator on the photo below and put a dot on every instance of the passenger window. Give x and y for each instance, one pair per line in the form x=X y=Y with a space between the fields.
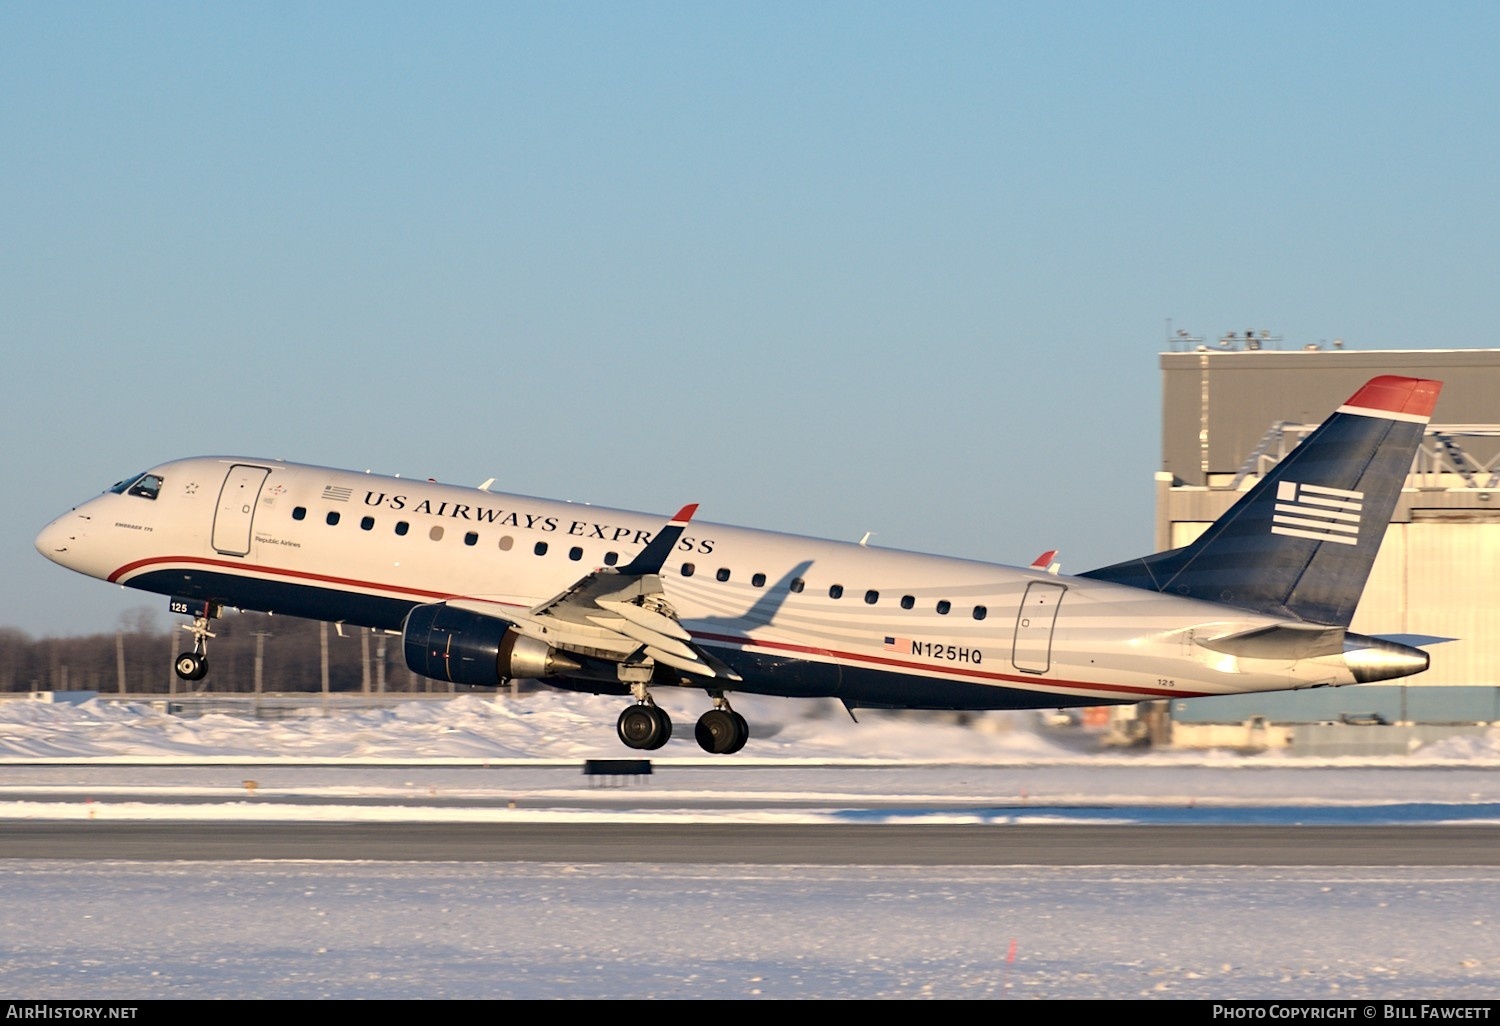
x=300 y=513
x=687 y=569
x=872 y=597
x=402 y=527
x=758 y=581
x=836 y=591
x=980 y=612
x=723 y=574
x=436 y=534
x=540 y=548
x=907 y=601
x=332 y=518
x=506 y=541
x=943 y=606
x=366 y=523
x=797 y=585
x=575 y=553
x=611 y=558
x=472 y=538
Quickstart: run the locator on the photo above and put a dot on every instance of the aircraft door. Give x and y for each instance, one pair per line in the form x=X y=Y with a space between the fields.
x=237 y=508
x=1032 y=650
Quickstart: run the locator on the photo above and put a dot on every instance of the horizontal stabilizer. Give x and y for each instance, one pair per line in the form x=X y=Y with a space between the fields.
x=1281 y=641
x=1412 y=640
x=1368 y=659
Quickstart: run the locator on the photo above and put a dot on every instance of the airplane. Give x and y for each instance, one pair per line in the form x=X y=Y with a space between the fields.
x=484 y=587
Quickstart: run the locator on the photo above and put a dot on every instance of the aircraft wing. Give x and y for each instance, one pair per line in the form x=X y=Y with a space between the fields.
x=622 y=614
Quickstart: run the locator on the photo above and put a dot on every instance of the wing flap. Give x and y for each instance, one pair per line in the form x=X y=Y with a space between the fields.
x=645 y=618
x=652 y=638
x=693 y=665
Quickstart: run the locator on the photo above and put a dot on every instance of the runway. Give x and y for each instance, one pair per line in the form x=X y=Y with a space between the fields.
x=696 y=813
x=760 y=844
x=216 y=879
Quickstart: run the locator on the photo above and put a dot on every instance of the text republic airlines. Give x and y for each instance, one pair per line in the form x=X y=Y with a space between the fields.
x=484 y=587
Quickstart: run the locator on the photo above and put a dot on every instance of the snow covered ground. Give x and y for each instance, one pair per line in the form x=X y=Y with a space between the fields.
x=379 y=929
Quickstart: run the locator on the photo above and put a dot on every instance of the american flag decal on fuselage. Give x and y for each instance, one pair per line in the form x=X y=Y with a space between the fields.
x=1322 y=514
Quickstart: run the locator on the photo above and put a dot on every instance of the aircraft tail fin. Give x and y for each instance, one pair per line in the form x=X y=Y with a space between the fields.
x=1300 y=544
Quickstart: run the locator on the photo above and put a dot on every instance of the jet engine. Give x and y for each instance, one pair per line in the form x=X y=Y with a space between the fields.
x=465 y=647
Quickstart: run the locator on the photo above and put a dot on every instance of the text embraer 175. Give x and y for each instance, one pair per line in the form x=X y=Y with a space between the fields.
x=484 y=587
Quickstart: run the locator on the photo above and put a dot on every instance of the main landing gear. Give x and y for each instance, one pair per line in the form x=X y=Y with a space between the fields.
x=194 y=665
x=646 y=726
x=721 y=730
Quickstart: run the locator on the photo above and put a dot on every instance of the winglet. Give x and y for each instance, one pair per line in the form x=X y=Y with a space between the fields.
x=1043 y=561
x=651 y=558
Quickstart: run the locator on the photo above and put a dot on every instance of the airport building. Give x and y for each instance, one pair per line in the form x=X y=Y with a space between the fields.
x=1232 y=408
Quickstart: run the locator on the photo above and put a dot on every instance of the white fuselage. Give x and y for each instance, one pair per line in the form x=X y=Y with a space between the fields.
x=874 y=626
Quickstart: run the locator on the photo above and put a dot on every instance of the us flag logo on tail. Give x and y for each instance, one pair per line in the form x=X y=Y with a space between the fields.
x=1322 y=514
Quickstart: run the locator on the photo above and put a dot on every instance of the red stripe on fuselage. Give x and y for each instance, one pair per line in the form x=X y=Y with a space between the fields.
x=1028 y=682
x=240 y=569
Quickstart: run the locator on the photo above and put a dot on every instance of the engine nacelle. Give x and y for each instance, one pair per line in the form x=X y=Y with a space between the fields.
x=464 y=647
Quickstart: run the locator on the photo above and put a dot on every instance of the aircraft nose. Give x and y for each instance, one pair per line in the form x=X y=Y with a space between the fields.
x=58 y=537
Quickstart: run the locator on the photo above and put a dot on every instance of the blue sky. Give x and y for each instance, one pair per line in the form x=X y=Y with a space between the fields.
x=823 y=267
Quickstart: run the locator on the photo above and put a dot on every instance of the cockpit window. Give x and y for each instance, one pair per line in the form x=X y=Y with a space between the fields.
x=147 y=486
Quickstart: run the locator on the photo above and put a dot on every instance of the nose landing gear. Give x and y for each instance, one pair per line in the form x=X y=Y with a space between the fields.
x=194 y=665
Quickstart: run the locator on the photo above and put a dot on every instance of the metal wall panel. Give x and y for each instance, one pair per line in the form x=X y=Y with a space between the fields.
x=1452 y=591
x=1217 y=405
